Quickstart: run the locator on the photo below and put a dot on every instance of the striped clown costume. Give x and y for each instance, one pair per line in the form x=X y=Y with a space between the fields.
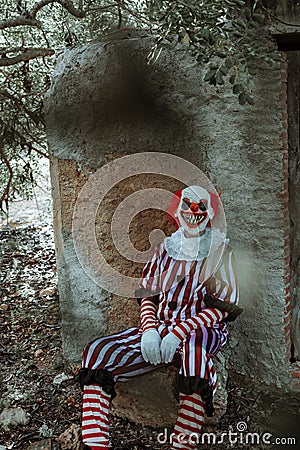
x=188 y=291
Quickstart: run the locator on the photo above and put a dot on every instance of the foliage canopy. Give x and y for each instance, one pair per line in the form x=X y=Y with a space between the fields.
x=223 y=36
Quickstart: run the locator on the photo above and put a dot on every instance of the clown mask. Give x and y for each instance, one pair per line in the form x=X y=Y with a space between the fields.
x=194 y=210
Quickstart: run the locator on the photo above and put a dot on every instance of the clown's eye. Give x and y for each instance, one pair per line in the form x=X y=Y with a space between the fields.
x=202 y=206
x=185 y=206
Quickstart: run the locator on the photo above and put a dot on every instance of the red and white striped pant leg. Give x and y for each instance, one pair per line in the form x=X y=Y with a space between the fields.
x=95 y=424
x=187 y=430
x=196 y=361
x=197 y=350
x=120 y=355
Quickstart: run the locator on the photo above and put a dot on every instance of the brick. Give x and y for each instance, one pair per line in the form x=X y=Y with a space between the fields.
x=287 y=334
x=285 y=165
x=287 y=289
x=287 y=319
x=288 y=308
x=295 y=373
x=288 y=278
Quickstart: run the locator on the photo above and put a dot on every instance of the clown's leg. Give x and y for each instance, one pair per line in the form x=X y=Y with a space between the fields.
x=105 y=361
x=196 y=383
x=187 y=430
x=95 y=424
x=197 y=372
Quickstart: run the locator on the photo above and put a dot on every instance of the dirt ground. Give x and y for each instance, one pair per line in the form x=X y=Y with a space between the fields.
x=35 y=377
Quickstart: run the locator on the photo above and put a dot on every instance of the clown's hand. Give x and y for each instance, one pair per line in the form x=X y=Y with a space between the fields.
x=150 y=346
x=168 y=347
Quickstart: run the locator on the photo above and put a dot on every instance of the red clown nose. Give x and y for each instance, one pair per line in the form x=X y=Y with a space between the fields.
x=194 y=207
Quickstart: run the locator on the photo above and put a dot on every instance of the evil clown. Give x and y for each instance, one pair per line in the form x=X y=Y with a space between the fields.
x=188 y=292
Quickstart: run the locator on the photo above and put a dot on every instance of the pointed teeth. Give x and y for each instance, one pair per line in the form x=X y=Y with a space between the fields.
x=193 y=220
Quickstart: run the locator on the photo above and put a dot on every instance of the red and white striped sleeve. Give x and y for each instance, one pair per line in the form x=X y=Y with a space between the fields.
x=148 y=314
x=150 y=283
x=207 y=318
x=223 y=287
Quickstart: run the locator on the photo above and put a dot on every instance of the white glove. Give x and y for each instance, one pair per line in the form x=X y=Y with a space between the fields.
x=168 y=347
x=150 y=346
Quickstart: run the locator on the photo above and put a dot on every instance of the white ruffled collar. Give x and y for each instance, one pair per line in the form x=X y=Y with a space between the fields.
x=190 y=249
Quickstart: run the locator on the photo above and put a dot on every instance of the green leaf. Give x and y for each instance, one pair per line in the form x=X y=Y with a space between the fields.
x=247 y=13
x=221 y=54
x=229 y=62
x=243 y=68
x=240 y=23
x=260 y=18
x=227 y=26
x=232 y=79
x=212 y=39
x=193 y=37
x=223 y=69
x=239 y=2
x=256 y=4
x=219 y=78
x=242 y=99
x=210 y=75
x=205 y=34
x=237 y=88
x=237 y=34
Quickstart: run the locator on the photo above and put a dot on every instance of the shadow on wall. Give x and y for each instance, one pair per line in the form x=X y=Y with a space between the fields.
x=111 y=99
x=134 y=93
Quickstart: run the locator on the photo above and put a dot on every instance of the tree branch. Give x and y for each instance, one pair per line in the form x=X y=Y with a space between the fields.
x=120 y=5
x=102 y=8
x=28 y=53
x=39 y=152
x=29 y=17
x=18 y=102
x=67 y=4
x=19 y=21
x=6 y=162
x=30 y=146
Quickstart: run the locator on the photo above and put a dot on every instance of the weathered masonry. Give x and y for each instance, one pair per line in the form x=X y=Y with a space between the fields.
x=106 y=102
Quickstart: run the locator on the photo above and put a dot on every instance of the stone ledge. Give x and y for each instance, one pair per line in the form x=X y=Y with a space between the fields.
x=154 y=390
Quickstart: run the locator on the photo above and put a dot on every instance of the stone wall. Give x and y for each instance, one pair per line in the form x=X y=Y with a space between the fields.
x=106 y=102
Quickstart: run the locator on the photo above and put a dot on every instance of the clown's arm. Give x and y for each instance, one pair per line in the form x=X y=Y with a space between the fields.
x=220 y=296
x=150 y=342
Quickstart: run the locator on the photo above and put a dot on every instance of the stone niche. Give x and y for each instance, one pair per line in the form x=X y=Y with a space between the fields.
x=106 y=102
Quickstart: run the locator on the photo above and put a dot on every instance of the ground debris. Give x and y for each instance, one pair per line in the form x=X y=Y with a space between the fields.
x=31 y=356
x=61 y=378
x=71 y=438
x=45 y=444
x=13 y=416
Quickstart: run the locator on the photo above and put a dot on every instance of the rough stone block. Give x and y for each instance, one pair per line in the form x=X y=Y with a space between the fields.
x=105 y=102
x=155 y=391
x=147 y=400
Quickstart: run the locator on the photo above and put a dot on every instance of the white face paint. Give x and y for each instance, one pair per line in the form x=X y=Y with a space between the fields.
x=194 y=210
